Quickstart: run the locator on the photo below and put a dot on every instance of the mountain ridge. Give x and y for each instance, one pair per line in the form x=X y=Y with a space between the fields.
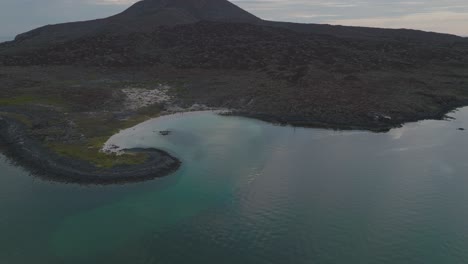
x=147 y=15
x=143 y=16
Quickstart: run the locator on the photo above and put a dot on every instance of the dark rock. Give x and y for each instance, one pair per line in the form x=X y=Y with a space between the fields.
x=165 y=132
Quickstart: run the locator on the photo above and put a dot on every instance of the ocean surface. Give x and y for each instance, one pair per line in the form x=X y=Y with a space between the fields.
x=252 y=192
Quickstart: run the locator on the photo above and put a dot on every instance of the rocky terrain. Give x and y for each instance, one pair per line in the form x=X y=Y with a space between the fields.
x=42 y=162
x=92 y=78
x=300 y=78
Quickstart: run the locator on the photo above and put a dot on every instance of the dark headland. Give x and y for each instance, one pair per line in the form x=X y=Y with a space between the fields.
x=66 y=88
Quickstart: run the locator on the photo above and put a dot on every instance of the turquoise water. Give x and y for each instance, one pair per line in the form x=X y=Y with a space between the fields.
x=252 y=192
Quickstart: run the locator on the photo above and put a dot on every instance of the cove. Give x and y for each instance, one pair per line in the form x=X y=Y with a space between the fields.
x=252 y=192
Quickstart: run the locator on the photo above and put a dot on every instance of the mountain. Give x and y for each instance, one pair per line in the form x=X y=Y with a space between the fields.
x=144 y=16
x=169 y=12
x=366 y=32
x=148 y=15
x=303 y=74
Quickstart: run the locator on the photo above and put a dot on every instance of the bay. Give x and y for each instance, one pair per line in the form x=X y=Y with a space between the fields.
x=252 y=192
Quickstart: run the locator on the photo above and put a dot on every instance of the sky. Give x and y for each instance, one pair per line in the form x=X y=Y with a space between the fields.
x=447 y=16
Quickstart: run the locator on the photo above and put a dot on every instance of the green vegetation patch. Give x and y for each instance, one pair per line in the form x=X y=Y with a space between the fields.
x=30 y=99
x=103 y=126
x=97 y=130
x=100 y=159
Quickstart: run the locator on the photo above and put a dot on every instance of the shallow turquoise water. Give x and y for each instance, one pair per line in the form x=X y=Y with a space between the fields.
x=252 y=192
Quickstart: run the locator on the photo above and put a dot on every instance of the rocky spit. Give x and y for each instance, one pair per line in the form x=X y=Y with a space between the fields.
x=46 y=164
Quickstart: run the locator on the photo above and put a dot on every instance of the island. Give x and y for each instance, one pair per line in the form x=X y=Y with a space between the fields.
x=66 y=88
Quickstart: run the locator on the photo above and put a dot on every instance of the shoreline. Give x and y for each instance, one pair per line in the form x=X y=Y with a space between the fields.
x=44 y=163
x=377 y=127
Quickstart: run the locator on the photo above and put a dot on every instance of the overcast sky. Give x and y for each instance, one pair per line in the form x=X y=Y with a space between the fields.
x=449 y=16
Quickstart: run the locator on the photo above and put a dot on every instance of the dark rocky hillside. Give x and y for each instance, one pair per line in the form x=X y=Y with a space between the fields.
x=144 y=16
x=366 y=32
x=346 y=77
x=147 y=15
x=212 y=45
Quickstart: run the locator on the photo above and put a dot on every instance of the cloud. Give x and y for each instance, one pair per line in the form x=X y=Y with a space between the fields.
x=112 y=2
x=442 y=21
x=449 y=16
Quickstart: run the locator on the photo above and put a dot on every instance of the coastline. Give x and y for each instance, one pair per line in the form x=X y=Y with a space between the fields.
x=381 y=126
x=44 y=163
